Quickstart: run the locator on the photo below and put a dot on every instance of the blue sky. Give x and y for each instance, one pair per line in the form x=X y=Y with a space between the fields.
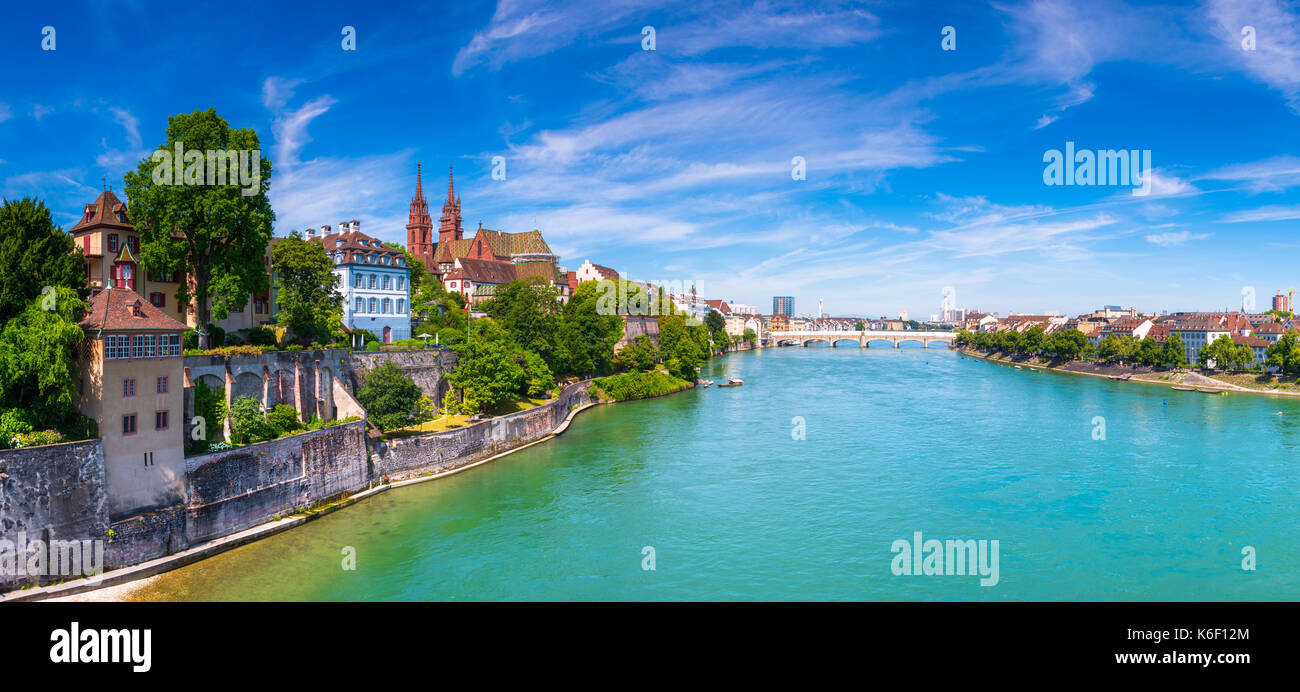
x=924 y=166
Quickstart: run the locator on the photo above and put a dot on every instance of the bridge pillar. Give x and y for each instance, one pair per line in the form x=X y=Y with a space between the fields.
x=895 y=342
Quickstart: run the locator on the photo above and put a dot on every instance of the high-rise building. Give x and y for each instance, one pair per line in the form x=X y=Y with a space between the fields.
x=1282 y=302
x=783 y=305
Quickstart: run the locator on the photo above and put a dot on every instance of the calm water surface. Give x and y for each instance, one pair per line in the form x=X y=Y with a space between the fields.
x=897 y=441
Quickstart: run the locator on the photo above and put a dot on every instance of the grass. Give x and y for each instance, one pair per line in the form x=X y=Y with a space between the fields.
x=446 y=423
x=639 y=385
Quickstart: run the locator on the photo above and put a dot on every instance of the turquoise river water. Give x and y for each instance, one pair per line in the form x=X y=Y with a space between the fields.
x=896 y=442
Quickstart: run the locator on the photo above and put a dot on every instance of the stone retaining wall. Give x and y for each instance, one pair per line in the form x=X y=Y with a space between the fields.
x=56 y=492
x=444 y=451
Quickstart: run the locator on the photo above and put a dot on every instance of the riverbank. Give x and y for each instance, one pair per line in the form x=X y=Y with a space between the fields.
x=1126 y=373
x=121 y=584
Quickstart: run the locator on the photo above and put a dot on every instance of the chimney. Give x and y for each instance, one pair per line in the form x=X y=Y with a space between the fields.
x=356 y=225
x=343 y=227
x=311 y=232
x=325 y=230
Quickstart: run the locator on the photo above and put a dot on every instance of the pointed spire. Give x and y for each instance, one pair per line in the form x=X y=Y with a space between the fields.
x=419 y=188
x=451 y=188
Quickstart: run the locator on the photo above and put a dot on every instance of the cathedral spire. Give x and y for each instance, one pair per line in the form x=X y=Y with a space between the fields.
x=450 y=222
x=451 y=188
x=419 y=225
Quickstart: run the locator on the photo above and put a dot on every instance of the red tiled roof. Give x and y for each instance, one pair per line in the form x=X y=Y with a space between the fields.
x=1269 y=328
x=1250 y=341
x=484 y=271
x=354 y=241
x=120 y=309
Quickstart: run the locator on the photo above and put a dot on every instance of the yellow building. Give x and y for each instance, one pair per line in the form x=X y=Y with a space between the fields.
x=111 y=247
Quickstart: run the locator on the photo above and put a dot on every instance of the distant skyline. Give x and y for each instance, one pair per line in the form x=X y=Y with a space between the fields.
x=924 y=167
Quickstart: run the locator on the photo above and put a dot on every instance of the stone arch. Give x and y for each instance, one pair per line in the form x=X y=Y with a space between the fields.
x=835 y=343
x=248 y=384
x=817 y=340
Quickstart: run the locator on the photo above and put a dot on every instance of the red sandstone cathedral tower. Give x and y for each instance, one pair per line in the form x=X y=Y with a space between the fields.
x=419 y=226
x=450 y=228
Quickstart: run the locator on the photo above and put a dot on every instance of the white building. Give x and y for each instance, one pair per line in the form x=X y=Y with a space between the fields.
x=375 y=281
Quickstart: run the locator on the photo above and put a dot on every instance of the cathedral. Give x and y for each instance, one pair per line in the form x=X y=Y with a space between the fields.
x=492 y=257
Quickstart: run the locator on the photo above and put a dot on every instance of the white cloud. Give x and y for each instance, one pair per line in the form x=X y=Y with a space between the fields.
x=1171 y=238
x=1268 y=213
x=1276 y=58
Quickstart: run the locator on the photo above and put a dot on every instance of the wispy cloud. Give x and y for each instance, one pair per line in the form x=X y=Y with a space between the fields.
x=1171 y=238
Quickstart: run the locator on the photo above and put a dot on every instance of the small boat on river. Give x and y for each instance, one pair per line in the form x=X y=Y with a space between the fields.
x=703 y=383
x=733 y=382
x=1185 y=389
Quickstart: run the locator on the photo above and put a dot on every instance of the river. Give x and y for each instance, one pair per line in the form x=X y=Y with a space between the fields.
x=1155 y=502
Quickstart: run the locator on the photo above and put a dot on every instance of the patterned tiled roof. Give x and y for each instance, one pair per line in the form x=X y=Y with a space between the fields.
x=353 y=242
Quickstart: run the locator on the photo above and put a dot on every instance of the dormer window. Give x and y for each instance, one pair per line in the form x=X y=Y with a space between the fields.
x=136 y=309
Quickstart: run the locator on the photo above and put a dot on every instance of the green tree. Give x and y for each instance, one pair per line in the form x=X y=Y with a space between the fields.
x=389 y=396
x=638 y=355
x=486 y=375
x=34 y=253
x=1175 y=352
x=215 y=234
x=750 y=335
x=529 y=311
x=38 y=370
x=1068 y=344
x=588 y=335
x=1284 y=354
x=538 y=378
x=1033 y=340
x=307 y=287
x=1221 y=351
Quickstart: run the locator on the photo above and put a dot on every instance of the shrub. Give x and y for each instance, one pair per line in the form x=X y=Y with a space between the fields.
x=372 y=346
x=450 y=404
x=36 y=438
x=248 y=423
x=639 y=385
x=284 y=418
x=389 y=395
x=14 y=422
x=260 y=336
x=210 y=405
x=294 y=347
x=216 y=336
x=190 y=341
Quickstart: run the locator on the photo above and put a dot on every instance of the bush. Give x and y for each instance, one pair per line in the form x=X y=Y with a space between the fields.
x=210 y=405
x=260 y=336
x=639 y=385
x=372 y=346
x=14 y=422
x=389 y=396
x=425 y=411
x=190 y=341
x=450 y=404
x=294 y=347
x=216 y=336
x=36 y=438
x=284 y=418
x=248 y=423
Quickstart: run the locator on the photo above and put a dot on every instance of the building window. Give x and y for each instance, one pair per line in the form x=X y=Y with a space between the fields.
x=358 y=281
x=112 y=242
x=148 y=458
x=360 y=305
x=138 y=350
x=373 y=281
x=128 y=424
x=162 y=385
x=148 y=346
x=372 y=305
x=158 y=300
x=128 y=387
x=401 y=282
x=160 y=420
x=133 y=242
x=401 y=306
x=388 y=282
x=262 y=304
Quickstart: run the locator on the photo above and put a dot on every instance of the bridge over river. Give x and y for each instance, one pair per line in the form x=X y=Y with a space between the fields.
x=861 y=339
